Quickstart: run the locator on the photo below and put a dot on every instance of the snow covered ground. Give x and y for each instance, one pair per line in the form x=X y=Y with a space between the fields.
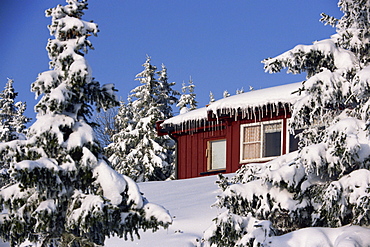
x=189 y=202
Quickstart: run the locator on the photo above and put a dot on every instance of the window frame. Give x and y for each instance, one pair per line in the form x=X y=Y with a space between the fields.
x=262 y=144
x=209 y=154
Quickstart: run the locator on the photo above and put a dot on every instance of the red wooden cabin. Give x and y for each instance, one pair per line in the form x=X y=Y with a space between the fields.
x=234 y=131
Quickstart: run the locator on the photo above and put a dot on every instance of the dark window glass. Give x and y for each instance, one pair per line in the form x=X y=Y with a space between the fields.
x=272 y=145
x=293 y=141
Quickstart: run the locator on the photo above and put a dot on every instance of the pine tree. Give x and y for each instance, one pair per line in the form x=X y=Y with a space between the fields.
x=240 y=91
x=325 y=183
x=226 y=94
x=166 y=98
x=166 y=95
x=12 y=120
x=124 y=140
x=138 y=151
x=12 y=124
x=211 y=98
x=65 y=193
x=187 y=100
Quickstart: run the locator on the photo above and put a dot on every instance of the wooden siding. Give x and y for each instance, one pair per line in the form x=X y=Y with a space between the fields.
x=192 y=142
x=191 y=147
x=191 y=152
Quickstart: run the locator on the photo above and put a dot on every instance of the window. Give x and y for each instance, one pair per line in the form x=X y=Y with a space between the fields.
x=294 y=140
x=261 y=140
x=216 y=154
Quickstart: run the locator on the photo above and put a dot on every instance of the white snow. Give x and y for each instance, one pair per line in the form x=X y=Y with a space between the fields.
x=48 y=205
x=343 y=59
x=189 y=200
x=347 y=236
x=189 y=203
x=240 y=103
x=112 y=183
x=82 y=134
x=40 y=163
x=257 y=98
x=194 y=115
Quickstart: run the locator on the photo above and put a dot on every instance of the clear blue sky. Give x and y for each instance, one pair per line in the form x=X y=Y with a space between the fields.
x=220 y=43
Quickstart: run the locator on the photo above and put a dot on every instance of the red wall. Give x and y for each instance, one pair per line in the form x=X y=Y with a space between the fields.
x=191 y=152
x=191 y=147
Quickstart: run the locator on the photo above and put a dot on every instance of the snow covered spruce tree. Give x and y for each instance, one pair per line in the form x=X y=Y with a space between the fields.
x=211 y=98
x=137 y=150
x=325 y=183
x=12 y=124
x=65 y=193
x=187 y=100
x=12 y=119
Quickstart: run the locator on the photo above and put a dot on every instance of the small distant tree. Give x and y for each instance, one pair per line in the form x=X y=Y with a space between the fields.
x=211 y=98
x=240 y=91
x=326 y=183
x=12 y=124
x=64 y=191
x=187 y=101
x=226 y=94
x=137 y=151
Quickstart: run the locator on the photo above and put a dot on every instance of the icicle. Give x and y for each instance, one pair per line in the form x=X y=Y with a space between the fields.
x=285 y=112
x=277 y=108
x=266 y=110
x=270 y=110
x=260 y=112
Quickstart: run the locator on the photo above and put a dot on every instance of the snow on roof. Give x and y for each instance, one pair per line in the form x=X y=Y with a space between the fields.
x=244 y=102
x=257 y=98
x=193 y=115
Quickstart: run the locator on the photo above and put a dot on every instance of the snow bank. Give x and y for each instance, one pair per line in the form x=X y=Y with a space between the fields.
x=347 y=236
x=188 y=201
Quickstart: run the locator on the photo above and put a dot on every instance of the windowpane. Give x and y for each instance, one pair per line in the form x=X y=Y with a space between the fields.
x=294 y=140
x=272 y=145
x=272 y=140
x=261 y=140
x=252 y=151
x=270 y=128
x=218 y=154
x=293 y=143
x=252 y=142
x=252 y=133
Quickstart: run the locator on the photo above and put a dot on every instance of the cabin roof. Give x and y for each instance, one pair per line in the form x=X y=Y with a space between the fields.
x=242 y=102
x=257 y=98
